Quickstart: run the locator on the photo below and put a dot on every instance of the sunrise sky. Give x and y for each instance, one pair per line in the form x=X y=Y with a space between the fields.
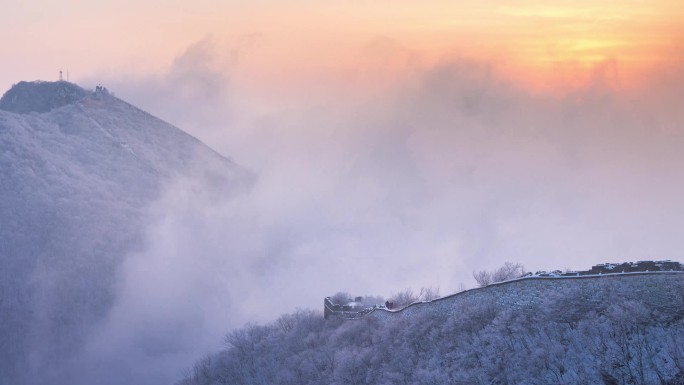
x=395 y=143
x=404 y=142
x=539 y=43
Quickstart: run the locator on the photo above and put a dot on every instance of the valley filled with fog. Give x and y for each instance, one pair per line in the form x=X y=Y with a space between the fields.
x=182 y=174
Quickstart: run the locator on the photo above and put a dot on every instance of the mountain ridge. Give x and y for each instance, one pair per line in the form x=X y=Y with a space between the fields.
x=40 y=96
x=78 y=171
x=613 y=329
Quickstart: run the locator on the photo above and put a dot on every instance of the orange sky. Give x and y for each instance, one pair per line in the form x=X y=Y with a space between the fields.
x=540 y=43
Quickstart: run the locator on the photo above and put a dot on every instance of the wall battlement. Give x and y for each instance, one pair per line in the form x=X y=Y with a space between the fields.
x=657 y=288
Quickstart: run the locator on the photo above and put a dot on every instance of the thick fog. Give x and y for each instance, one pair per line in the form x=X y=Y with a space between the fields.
x=405 y=177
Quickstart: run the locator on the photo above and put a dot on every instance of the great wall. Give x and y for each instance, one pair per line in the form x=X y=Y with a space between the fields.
x=657 y=283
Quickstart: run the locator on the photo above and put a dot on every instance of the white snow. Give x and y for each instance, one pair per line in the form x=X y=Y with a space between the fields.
x=74 y=185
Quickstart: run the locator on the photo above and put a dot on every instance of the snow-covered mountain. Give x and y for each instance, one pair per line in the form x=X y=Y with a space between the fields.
x=597 y=329
x=78 y=169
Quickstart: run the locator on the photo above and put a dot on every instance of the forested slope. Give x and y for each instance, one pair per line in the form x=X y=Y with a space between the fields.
x=78 y=171
x=563 y=338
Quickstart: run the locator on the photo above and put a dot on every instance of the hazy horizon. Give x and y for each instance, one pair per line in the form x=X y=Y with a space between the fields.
x=395 y=144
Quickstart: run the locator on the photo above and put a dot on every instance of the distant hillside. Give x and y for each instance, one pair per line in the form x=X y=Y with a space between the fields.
x=78 y=169
x=26 y=97
x=619 y=329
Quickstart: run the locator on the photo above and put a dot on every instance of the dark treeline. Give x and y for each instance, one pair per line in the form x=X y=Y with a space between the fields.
x=562 y=340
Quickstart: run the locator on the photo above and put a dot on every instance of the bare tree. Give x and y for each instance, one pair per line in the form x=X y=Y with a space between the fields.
x=483 y=277
x=428 y=293
x=509 y=270
x=341 y=298
x=369 y=301
x=407 y=296
x=404 y=298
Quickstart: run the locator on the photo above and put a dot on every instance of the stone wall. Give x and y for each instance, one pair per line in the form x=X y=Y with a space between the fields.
x=657 y=289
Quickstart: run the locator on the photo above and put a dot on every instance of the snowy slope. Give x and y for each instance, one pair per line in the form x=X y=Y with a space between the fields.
x=77 y=170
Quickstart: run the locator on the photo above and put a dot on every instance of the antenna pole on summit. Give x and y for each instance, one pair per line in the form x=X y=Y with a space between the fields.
x=60 y=75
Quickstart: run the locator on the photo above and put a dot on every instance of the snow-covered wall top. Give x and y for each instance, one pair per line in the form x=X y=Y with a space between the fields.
x=658 y=289
x=533 y=288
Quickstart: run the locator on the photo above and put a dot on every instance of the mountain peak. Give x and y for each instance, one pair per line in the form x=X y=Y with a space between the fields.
x=40 y=96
